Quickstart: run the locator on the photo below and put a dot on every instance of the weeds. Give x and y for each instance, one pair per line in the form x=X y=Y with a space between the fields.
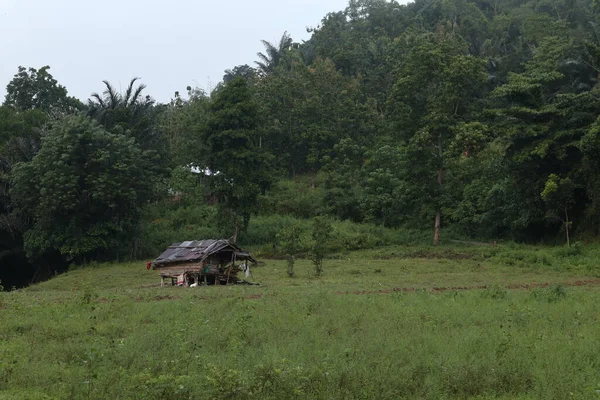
x=557 y=293
x=495 y=292
x=347 y=335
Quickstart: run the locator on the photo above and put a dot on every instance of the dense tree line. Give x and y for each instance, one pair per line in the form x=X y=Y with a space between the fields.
x=476 y=114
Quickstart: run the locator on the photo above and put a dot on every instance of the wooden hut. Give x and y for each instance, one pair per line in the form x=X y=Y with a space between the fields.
x=195 y=262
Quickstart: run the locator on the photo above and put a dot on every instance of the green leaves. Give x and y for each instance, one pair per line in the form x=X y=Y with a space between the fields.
x=558 y=196
x=239 y=167
x=83 y=190
x=33 y=89
x=321 y=234
x=290 y=241
x=558 y=192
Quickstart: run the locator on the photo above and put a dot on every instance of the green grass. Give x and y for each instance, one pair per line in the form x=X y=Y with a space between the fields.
x=107 y=331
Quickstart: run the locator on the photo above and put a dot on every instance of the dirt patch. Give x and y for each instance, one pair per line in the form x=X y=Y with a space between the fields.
x=446 y=254
x=514 y=286
x=159 y=298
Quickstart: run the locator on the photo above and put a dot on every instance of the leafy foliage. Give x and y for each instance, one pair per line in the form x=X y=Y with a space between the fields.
x=237 y=167
x=275 y=54
x=289 y=240
x=321 y=234
x=83 y=191
x=33 y=89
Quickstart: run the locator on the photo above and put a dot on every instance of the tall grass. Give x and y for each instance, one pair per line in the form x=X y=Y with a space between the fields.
x=164 y=225
x=421 y=345
x=102 y=333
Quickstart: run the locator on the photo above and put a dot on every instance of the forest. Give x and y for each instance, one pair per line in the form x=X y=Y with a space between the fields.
x=471 y=119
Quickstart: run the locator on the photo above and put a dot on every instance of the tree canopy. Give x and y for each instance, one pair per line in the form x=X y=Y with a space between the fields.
x=83 y=190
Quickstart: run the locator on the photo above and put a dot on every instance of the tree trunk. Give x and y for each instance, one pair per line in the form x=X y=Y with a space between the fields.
x=567 y=228
x=436 y=233
x=438 y=212
x=235 y=234
x=313 y=178
x=290 y=266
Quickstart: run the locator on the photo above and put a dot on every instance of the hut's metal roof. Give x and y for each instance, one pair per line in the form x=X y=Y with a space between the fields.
x=198 y=250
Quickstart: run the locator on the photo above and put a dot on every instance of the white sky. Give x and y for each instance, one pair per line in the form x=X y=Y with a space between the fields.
x=170 y=44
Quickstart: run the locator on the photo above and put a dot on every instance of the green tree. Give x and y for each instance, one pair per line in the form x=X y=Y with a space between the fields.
x=83 y=191
x=590 y=148
x=275 y=54
x=308 y=109
x=321 y=235
x=245 y=71
x=436 y=89
x=541 y=116
x=20 y=133
x=290 y=242
x=33 y=89
x=238 y=168
x=182 y=122
x=558 y=196
x=131 y=113
x=134 y=115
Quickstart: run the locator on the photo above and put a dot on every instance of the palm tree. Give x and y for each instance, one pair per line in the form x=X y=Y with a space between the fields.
x=274 y=54
x=129 y=112
x=112 y=99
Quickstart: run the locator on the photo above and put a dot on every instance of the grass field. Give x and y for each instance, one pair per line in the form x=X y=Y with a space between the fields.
x=509 y=322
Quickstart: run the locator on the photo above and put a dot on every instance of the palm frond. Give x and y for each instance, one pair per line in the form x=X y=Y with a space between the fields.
x=262 y=67
x=111 y=94
x=129 y=91
x=137 y=94
x=285 y=42
x=264 y=58
x=98 y=98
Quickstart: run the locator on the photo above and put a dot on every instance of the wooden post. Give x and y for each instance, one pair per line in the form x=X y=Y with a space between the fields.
x=567 y=227
x=228 y=274
x=162 y=281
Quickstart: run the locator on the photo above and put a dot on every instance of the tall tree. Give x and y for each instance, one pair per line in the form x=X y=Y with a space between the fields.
x=83 y=191
x=131 y=113
x=239 y=168
x=19 y=142
x=245 y=71
x=541 y=115
x=182 y=122
x=274 y=54
x=134 y=115
x=33 y=89
x=436 y=89
x=558 y=196
x=306 y=110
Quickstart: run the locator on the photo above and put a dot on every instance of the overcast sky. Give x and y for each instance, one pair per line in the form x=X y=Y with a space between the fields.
x=170 y=44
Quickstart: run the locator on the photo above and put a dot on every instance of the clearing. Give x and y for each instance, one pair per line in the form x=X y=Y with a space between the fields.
x=509 y=322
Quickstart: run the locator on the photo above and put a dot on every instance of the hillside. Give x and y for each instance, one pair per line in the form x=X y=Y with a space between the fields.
x=474 y=119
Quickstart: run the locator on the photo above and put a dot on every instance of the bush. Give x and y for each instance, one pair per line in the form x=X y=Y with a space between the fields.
x=163 y=225
x=295 y=198
x=263 y=230
x=346 y=236
x=575 y=250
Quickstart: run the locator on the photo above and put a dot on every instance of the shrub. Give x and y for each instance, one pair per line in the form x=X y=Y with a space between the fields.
x=293 y=197
x=574 y=250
